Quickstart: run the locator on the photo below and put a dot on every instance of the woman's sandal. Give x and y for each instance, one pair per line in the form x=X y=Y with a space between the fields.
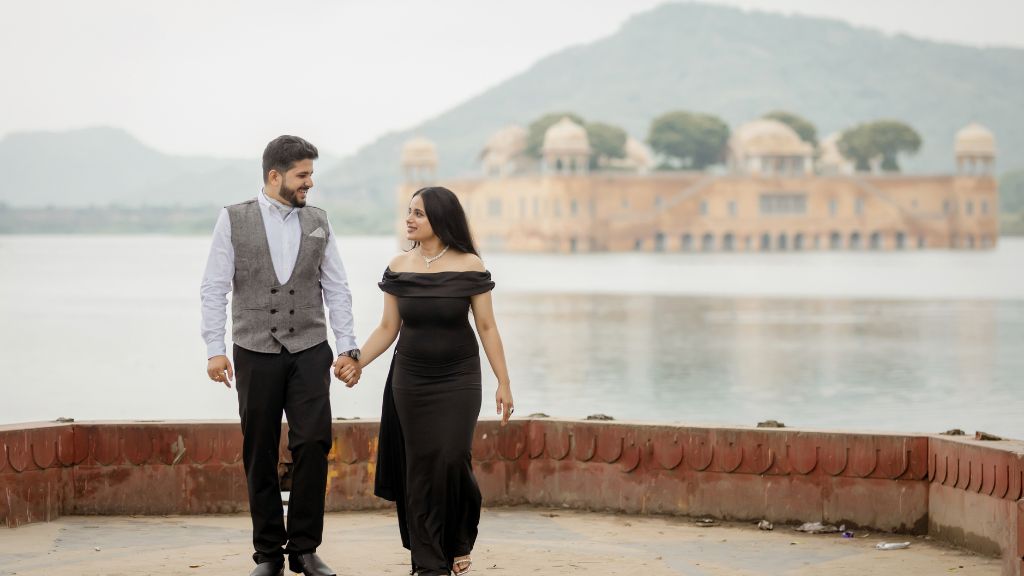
x=462 y=565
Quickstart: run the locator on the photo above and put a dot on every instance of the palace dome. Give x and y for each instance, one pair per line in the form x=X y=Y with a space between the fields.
x=765 y=137
x=419 y=151
x=506 y=143
x=975 y=140
x=566 y=137
x=637 y=153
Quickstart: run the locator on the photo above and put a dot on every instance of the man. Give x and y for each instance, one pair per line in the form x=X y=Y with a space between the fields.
x=279 y=259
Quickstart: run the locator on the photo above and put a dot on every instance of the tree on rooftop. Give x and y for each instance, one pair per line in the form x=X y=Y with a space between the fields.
x=689 y=139
x=884 y=139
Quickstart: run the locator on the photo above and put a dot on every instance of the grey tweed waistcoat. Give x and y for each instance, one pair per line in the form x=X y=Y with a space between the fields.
x=266 y=314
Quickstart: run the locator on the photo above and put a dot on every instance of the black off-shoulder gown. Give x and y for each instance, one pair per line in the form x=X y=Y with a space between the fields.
x=430 y=409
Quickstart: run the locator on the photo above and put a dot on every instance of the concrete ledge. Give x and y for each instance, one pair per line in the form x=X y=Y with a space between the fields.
x=962 y=491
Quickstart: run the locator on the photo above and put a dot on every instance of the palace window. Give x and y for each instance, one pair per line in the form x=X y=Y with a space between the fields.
x=946 y=207
x=574 y=207
x=766 y=242
x=732 y=207
x=901 y=241
x=536 y=206
x=859 y=206
x=833 y=207
x=728 y=242
x=798 y=241
x=835 y=241
x=969 y=208
x=876 y=240
x=984 y=206
x=783 y=204
x=703 y=207
x=686 y=243
x=707 y=243
x=659 y=242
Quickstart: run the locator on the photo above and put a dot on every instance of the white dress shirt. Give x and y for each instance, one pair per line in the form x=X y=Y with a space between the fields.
x=283 y=235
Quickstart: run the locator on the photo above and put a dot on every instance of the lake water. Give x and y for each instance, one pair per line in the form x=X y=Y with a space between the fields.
x=107 y=327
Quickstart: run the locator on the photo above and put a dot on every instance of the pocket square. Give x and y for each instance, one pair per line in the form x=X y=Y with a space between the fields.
x=318 y=233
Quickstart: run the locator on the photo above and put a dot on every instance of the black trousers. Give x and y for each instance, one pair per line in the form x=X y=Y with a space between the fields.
x=297 y=385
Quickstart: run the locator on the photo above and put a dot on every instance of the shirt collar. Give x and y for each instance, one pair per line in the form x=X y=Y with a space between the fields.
x=283 y=209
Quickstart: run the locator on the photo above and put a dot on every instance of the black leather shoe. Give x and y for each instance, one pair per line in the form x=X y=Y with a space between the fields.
x=309 y=564
x=268 y=569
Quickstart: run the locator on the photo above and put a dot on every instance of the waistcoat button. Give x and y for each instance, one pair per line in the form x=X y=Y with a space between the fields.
x=273 y=329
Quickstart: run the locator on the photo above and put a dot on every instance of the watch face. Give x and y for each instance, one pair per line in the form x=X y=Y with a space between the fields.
x=353 y=354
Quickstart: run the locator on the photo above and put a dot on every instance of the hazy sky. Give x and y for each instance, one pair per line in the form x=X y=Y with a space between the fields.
x=222 y=77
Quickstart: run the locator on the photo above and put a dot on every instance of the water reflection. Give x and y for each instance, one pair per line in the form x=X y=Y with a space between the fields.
x=892 y=365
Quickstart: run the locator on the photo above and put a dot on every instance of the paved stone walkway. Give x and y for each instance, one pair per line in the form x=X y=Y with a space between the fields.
x=512 y=541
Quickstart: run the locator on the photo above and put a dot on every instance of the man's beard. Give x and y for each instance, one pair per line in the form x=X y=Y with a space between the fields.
x=291 y=196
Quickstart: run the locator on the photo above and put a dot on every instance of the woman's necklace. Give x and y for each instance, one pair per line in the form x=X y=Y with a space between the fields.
x=430 y=260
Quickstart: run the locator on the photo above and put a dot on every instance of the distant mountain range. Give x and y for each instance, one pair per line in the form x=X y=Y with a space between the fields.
x=720 y=60
x=737 y=65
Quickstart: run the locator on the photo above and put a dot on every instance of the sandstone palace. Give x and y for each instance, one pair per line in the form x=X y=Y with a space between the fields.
x=775 y=192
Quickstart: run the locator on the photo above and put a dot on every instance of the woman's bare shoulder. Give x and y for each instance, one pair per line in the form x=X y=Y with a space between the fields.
x=470 y=262
x=401 y=262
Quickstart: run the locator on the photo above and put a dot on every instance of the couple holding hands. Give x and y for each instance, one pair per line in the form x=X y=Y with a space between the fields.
x=279 y=260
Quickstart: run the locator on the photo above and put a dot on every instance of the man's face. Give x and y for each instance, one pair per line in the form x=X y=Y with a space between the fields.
x=296 y=182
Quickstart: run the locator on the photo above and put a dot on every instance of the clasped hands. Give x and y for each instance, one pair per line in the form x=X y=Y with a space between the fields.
x=347 y=370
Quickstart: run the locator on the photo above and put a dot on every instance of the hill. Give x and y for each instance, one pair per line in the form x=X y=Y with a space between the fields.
x=737 y=65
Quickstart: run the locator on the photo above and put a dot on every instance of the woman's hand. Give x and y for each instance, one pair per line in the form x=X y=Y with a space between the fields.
x=347 y=370
x=503 y=402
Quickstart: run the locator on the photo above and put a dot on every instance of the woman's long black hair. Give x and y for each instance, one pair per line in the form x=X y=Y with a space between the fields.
x=447 y=218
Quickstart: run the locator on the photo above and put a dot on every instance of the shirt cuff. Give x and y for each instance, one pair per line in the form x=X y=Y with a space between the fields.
x=344 y=345
x=215 y=349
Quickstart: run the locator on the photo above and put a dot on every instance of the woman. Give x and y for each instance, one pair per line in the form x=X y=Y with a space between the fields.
x=433 y=392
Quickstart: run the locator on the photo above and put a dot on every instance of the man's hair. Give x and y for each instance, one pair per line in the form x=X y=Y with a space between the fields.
x=283 y=152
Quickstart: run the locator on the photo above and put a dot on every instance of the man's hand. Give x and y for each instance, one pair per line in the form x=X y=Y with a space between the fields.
x=219 y=369
x=347 y=370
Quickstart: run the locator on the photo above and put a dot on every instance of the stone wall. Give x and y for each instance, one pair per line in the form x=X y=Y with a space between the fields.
x=965 y=492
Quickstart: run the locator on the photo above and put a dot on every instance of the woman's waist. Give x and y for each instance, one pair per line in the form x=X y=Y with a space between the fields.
x=437 y=365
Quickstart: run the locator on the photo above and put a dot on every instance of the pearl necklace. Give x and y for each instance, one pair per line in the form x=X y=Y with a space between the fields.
x=431 y=260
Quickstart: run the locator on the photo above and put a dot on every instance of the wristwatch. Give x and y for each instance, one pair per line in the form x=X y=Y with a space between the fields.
x=353 y=354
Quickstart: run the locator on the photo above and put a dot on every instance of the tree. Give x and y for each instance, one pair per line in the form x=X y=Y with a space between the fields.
x=605 y=140
x=537 y=128
x=856 y=144
x=689 y=139
x=803 y=127
x=885 y=139
x=892 y=139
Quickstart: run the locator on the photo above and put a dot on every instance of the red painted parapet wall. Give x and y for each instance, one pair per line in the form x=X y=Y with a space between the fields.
x=963 y=491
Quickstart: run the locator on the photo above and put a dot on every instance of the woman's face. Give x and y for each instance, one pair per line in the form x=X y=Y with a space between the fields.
x=417 y=227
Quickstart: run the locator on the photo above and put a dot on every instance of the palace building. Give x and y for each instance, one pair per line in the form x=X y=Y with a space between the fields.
x=777 y=193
